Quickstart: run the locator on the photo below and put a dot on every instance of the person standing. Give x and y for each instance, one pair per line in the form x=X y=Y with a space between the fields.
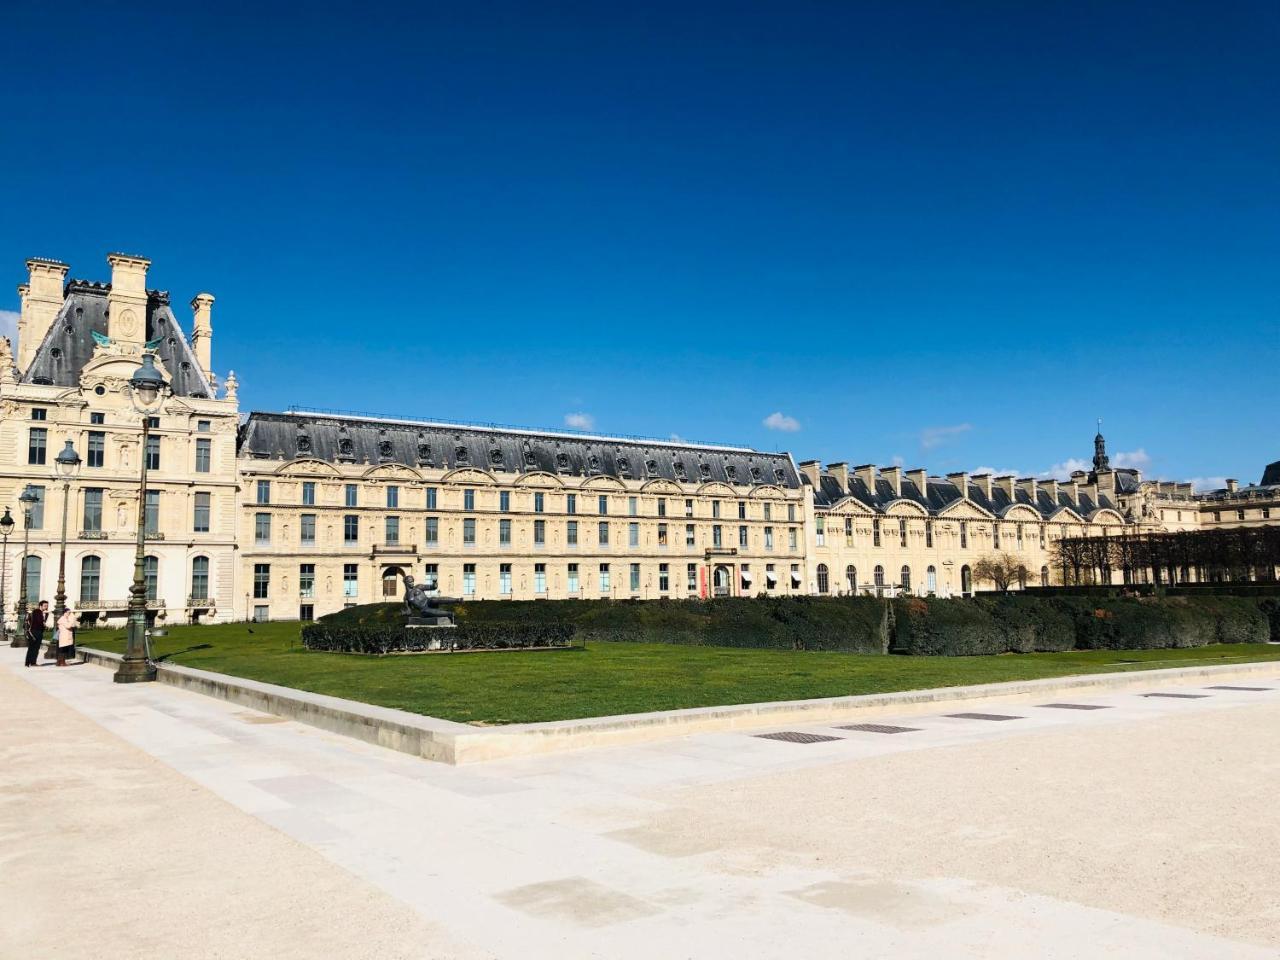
x=35 y=631
x=66 y=636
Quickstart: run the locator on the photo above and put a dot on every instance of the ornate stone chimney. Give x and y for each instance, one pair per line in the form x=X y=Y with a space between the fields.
x=983 y=480
x=1232 y=485
x=867 y=474
x=921 y=479
x=1031 y=486
x=41 y=300
x=127 y=301
x=1007 y=484
x=813 y=470
x=202 y=332
x=841 y=472
x=894 y=476
x=961 y=483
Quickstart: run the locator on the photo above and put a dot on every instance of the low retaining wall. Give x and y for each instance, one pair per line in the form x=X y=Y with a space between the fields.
x=457 y=743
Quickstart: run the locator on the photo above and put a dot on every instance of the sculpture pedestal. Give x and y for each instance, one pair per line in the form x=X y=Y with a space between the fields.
x=418 y=631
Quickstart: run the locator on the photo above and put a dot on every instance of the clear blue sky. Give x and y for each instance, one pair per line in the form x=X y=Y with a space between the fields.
x=952 y=234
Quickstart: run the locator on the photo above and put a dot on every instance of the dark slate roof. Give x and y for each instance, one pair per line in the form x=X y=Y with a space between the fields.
x=69 y=343
x=340 y=439
x=940 y=493
x=1271 y=475
x=1128 y=481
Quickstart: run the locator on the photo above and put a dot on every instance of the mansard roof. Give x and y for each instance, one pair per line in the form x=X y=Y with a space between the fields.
x=1271 y=475
x=69 y=344
x=343 y=438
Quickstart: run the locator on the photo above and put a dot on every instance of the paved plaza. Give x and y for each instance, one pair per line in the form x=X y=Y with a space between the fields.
x=145 y=821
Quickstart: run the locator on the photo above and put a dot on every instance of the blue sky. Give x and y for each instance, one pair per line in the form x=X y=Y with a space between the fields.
x=950 y=235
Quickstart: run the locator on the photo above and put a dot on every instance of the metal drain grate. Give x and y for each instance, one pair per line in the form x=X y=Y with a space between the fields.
x=1076 y=706
x=1227 y=686
x=1178 y=696
x=877 y=728
x=982 y=716
x=793 y=736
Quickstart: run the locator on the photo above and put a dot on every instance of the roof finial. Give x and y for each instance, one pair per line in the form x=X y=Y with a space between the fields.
x=1100 y=459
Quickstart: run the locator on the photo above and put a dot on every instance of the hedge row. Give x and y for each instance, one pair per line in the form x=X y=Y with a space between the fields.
x=371 y=636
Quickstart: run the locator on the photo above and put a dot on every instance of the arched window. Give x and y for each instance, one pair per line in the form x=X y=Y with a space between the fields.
x=391 y=581
x=879 y=575
x=90 y=576
x=1022 y=577
x=966 y=580
x=1044 y=576
x=824 y=583
x=906 y=579
x=931 y=580
x=851 y=578
x=200 y=578
x=151 y=576
x=33 y=581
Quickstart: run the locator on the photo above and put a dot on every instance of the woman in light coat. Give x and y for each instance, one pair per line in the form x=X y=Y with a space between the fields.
x=66 y=636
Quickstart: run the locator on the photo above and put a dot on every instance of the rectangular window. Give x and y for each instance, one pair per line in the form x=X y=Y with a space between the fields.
x=350 y=529
x=791 y=512
x=393 y=498
x=203 y=426
x=504 y=501
x=791 y=538
x=200 y=512
x=571 y=503
x=351 y=494
x=469 y=532
x=539 y=502
x=306 y=611
x=204 y=449
x=153 y=423
x=964 y=535
x=768 y=538
x=151 y=576
x=261 y=614
x=742 y=510
x=433 y=531
x=768 y=511
x=604 y=534
x=308 y=493
x=37 y=513
x=504 y=579
x=468 y=499
x=307 y=581
x=539 y=533
x=97 y=450
x=153 y=452
x=928 y=534
x=820 y=530
x=875 y=532
x=539 y=578
x=264 y=491
x=664 y=578
x=573 y=578
x=662 y=534
x=742 y=536
x=37 y=444
x=715 y=509
x=604 y=578
x=995 y=536
x=1018 y=535
x=716 y=535
x=431 y=578
x=902 y=533
x=39 y=413
x=633 y=534
x=1042 y=536
x=261 y=581
x=200 y=578
x=848 y=531
x=92 y=509
x=262 y=528
x=151 y=525
x=431 y=498
x=633 y=506
x=691 y=578
x=635 y=577
x=603 y=503
x=690 y=537
x=468 y=579
x=97 y=419
x=571 y=533
x=393 y=530
x=350 y=580
x=307 y=529
x=504 y=533
x=662 y=506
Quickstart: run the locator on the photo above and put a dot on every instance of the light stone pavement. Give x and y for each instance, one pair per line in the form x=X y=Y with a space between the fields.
x=1143 y=829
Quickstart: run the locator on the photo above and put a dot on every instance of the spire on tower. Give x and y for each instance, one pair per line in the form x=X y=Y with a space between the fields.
x=1100 y=459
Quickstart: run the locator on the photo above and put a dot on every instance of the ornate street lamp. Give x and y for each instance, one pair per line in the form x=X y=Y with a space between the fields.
x=146 y=392
x=28 y=499
x=66 y=468
x=6 y=528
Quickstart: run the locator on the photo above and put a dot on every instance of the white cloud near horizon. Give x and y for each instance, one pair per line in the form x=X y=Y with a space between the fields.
x=1201 y=484
x=931 y=437
x=580 y=421
x=1065 y=468
x=780 y=421
x=9 y=326
x=1135 y=459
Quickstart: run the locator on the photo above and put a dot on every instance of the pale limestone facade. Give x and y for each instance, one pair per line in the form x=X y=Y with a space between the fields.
x=296 y=515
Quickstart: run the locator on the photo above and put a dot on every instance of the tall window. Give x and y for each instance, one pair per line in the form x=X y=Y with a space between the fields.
x=662 y=506
x=97 y=450
x=848 y=531
x=1044 y=576
x=33 y=577
x=90 y=574
x=851 y=578
x=717 y=535
x=768 y=511
x=261 y=580
x=570 y=503
x=433 y=531
x=633 y=506
x=964 y=535
x=539 y=502
x=604 y=533
x=820 y=530
x=504 y=532
x=995 y=536
x=351 y=493
x=604 y=578
x=931 y=580
x=393 y=529
x=350 y=580
x=204 y=452
x=539 y=533
x=431 y=498
x=633 y=534
x=468 y=499
x=571 y=533
x=37 y=512
x=902 y=533
x=742 y=510
x=539 y=578
x=153 y=452
x=691 y=578
x=431 y=576
x=393 y=498
x=742 y=536
x=662 y=534
x=468 y=579
x=928 y=534
x=37 y=445
x=791 y=538
x=92 y=509
x=690 y=536
x=688 y=508
x=151 y=576
x=307 y=529
x=603 y=503
x=791 y=513
x=469 y=532
x=664 y=578
x=308 y=493
x=151 y=520
x=264 y=491
x=879 y=575
x=1018 y=535
x=905 y=576
x=768 y=538
x=573 y=578
x=200 y=578
x=635 y=577
x=504 y=579
x=966 y=580
x=200 y=512
x=824 y=579
x=504 y=501
x=875 y=532
x=350 y=529
x=715 y=509
x=262 y=529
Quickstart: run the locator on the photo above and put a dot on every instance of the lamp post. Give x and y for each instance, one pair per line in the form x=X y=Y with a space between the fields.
x=147 y=388
x=66 y=467
x=28 y=499
x=6 y=528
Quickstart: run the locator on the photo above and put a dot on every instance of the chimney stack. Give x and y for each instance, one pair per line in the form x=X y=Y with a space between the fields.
x=202 y=332
x=894 y=476
x=812 y=469
x=961 y=483
x=983 y=480
x=1007 y=485
x=1053 y=491
x=921 y=480
x=1232 y=485
x=41 y=300
x=841 y=472
x=1032 y=488
x=867 y=474
x=127 y=301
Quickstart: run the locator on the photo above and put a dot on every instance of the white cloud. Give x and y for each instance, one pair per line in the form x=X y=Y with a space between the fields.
x=780 y=421
x=1201 y=484
x=676 y=438
x=931 y=437
x=997 y=473
x=9 y=325
x=579 y=421
x=899 y=460
x=1066 y=468
x=1136 y=459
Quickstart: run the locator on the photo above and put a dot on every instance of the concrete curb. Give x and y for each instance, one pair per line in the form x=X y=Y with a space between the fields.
x=458 y=743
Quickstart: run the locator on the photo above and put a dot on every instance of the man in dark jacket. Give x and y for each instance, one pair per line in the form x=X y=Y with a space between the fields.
x=35 y=631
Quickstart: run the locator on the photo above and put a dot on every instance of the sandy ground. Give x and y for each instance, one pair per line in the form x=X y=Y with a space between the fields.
x=113 y=858
x=1174 y=821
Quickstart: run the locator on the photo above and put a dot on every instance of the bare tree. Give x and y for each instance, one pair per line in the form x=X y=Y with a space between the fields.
x=1000 y=569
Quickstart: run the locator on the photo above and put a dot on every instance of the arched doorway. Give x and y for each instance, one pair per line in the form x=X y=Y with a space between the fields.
x=824 y=579
x=391 y=581
x=720 y=580
x=966 y=580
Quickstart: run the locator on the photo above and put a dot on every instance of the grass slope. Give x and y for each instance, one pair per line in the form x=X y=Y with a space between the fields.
x=613 y=678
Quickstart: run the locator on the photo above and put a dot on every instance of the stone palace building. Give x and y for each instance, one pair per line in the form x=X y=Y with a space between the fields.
x=294 y=515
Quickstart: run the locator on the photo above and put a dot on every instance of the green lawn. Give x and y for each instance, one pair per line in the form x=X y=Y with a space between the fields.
x=611 y=678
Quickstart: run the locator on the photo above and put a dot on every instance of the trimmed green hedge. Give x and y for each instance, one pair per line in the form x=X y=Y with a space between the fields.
x=375 y=637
